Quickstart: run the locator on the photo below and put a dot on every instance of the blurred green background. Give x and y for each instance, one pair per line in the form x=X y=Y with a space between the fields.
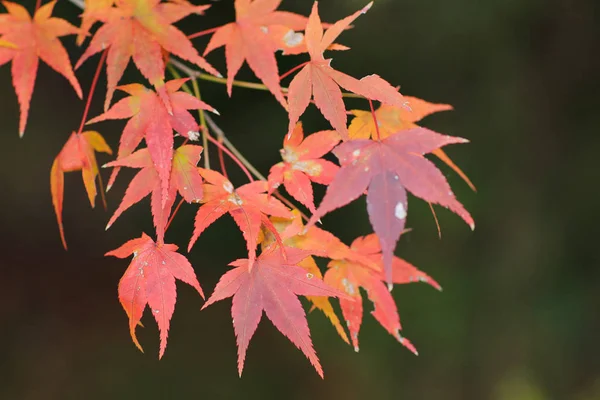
x=519 y=316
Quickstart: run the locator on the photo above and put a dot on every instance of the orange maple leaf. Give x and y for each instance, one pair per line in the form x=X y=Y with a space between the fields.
x=302 y=163
x=76 y=155
x=248 y=205
x=348 y=276
x=140 y=30
x=150 y=279
x=34 y=39
x=391 y=119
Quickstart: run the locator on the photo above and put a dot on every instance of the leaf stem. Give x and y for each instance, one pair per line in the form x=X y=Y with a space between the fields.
x=374 y=119
x=203 y=33
x=291 y=71
x=92 y=90
x=84 y=117
x=232 y=156
x=173 y=215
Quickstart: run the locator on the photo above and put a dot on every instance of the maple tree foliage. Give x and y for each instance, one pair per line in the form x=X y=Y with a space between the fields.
x=381 y=155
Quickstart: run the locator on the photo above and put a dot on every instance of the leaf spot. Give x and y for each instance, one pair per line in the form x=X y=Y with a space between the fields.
x=309 y=275
x=228 y=187
x=349 y=287
x=293 y=39
x=400 y=211
x=193 y=135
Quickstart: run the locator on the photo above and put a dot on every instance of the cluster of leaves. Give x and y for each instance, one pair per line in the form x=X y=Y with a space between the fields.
x=381 y=154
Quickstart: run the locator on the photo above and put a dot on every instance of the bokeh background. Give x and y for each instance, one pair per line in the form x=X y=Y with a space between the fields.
x=519 y=315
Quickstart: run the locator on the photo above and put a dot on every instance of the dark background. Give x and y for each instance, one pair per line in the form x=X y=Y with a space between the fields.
x=519 y=315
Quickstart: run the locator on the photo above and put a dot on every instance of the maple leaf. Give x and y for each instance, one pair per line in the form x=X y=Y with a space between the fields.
x=271 y=285
x=248 y=205
x=150 y=279
x=184 y=180
x=250 y=39
x=302 y=164
x=76 y=155
x=34 y=39
x=318 y=242
x=88 y=17
x=314 y=240
x=322 y=302
x=140 y=30
x=348 y=276
x=392 y=119
x=320 y=81
x=388 y=168
x=150 y=119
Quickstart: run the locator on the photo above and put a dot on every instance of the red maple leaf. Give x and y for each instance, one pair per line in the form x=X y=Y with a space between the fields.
x=347 y=276
x=184 y=180
x=150 y=279
x=34 y=39
x=302 y=164
x=271 y=285
x=151 y=120
x=140 y=30
x=76 y=155
x=250 y=39
x=389 y=168
x=249 y=205
x=319 y=81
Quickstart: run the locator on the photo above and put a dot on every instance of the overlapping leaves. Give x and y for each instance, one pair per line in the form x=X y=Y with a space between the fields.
x=382 y=156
